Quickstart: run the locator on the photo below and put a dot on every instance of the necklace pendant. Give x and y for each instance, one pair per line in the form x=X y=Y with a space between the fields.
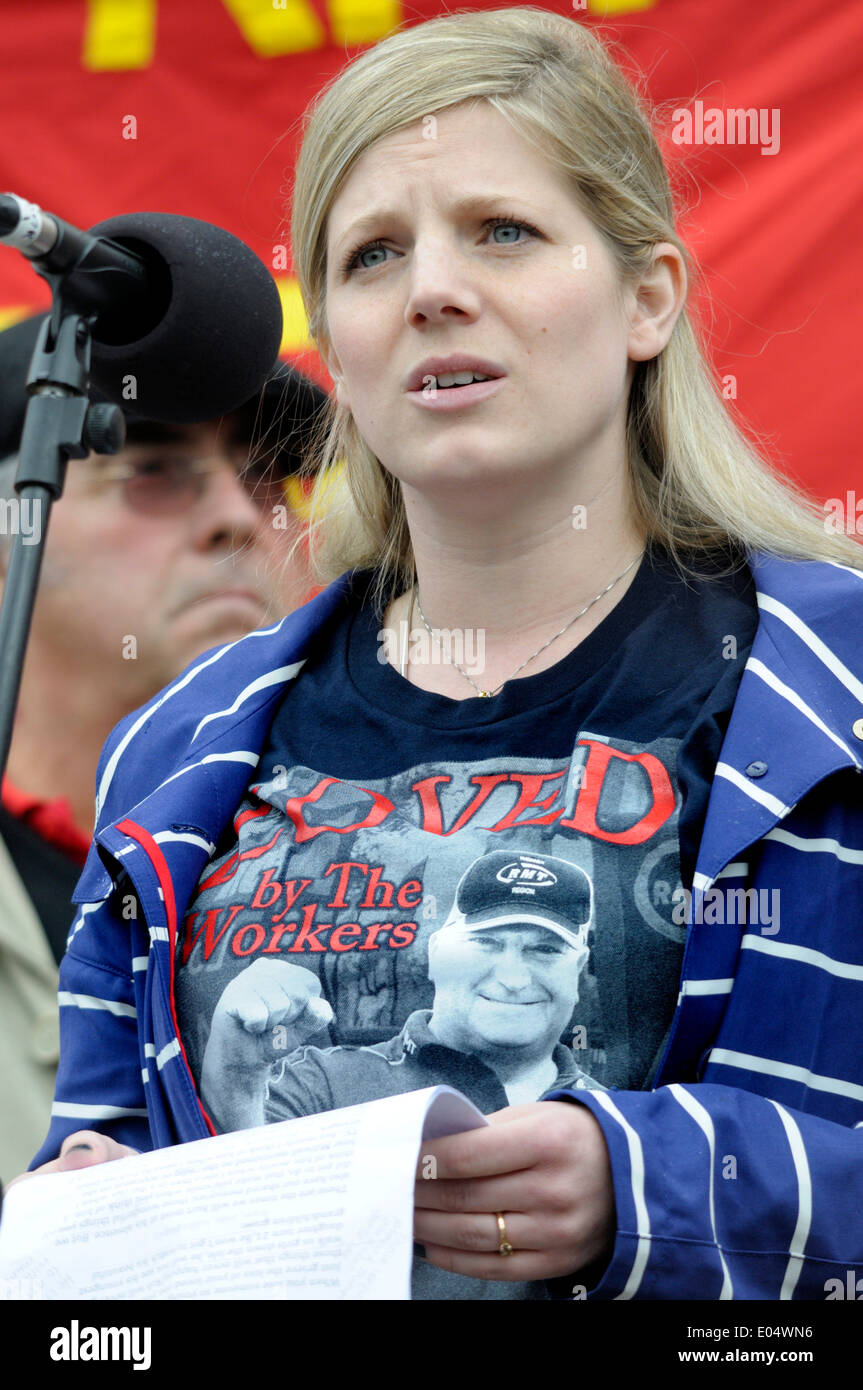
x=485 y=694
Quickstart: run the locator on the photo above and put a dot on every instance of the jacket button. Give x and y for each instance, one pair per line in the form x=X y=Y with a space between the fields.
x=857 y=728
x=756 y=769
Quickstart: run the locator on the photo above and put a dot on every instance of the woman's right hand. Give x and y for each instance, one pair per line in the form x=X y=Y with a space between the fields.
x=82 y=1149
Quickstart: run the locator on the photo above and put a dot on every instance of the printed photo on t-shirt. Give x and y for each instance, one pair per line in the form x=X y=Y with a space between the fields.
x=505 y=927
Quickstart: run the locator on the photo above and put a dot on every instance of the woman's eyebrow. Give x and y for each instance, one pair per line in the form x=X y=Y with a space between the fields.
x=473 y=202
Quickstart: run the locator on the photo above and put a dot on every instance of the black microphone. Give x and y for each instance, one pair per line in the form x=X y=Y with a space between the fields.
x=187 y=320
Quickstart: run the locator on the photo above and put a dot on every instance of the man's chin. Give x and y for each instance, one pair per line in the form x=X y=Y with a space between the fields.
x=214 y=622
x=510 y=1034
x=514 y=1044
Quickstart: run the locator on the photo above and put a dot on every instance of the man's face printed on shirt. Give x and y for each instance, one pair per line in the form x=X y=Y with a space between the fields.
x=507 y=986
x=396 y=897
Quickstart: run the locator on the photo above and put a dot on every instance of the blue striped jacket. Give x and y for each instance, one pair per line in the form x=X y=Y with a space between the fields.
x=740 y=1175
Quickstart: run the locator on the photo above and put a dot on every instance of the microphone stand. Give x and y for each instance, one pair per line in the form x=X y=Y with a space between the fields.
x=60 y=423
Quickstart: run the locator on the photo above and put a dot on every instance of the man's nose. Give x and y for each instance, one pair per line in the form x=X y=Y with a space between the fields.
x=225 y=514
x=511 y=969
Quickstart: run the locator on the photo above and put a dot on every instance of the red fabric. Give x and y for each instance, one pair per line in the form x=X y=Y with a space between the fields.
x=157 y=859
x=778 y=235
x=50 y=819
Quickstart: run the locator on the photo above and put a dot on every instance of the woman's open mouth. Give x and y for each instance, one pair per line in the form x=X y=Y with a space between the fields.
x=447 y=392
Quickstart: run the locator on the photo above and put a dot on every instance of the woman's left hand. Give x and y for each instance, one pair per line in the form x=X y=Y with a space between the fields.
x=545 y=1167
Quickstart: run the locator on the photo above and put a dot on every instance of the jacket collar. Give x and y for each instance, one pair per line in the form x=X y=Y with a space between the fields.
x=197 y=760
x=798 y=701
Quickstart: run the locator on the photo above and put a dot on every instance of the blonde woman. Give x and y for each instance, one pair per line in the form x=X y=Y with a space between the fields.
x=581 y=708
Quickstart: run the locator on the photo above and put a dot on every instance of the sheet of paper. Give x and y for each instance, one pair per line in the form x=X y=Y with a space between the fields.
x=314 y=1208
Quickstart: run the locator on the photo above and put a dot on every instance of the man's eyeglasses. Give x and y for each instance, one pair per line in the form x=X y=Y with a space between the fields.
x=162 y=484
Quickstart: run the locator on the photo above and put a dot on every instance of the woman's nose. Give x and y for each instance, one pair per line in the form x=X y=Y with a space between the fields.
x=441 y=285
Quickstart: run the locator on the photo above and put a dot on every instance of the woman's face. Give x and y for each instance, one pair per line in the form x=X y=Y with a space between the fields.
x=441 y=266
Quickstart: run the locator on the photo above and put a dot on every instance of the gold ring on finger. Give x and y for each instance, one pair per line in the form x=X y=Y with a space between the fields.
x=504 y=1247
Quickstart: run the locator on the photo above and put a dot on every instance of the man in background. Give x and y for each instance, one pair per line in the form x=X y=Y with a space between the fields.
x=181 y=542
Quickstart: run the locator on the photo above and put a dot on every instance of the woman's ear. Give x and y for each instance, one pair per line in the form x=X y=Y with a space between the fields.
x=657 y=301
x=333 y=366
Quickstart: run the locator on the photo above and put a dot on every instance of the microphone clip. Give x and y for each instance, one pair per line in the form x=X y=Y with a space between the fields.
x=60 y=423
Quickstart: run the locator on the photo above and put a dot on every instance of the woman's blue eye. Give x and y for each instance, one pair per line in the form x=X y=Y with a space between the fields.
x=366 y=251
x=354 y=260
x=509 y=224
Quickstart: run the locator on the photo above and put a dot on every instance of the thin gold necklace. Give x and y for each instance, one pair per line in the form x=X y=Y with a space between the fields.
x=487 y=694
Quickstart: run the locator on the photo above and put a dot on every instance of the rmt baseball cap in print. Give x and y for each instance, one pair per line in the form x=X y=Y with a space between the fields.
x=503 y=889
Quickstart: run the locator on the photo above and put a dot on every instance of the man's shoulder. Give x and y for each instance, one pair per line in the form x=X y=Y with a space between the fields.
x=352 y=1056
x=570 y=1074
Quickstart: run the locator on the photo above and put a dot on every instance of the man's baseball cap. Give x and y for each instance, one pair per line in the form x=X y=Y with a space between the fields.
x=502 y=889
x=284 y=413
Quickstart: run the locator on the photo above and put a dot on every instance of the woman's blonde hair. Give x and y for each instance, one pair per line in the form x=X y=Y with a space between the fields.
x=697 y=485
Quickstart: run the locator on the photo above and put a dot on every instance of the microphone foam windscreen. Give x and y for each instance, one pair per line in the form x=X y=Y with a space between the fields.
x=205 y=340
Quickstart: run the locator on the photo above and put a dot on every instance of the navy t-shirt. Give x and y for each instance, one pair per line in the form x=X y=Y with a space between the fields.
x=482 y=892
x=374 y=800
